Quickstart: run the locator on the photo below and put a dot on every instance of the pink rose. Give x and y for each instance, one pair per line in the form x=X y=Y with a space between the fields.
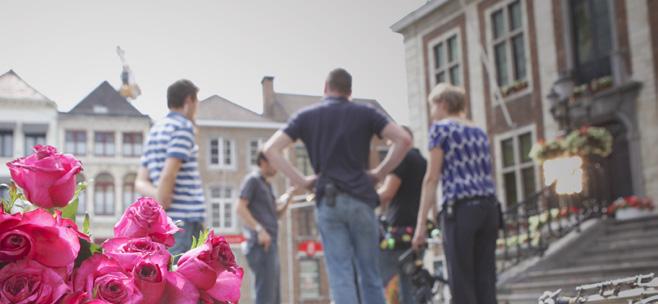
x=103 y=277
x=150 y=279
x=80 y=298
x=180 y=290
x=28 y=282
x=146 y=217
x=211 y=267
x=46 y=177
x=128 y=252
x=36 y=235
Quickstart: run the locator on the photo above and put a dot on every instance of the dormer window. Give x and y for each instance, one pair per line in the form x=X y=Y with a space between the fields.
x=100 y=109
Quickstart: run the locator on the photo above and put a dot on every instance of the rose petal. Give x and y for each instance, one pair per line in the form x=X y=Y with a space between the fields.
x=198 y=272
x=227 y=286
x=180 y=290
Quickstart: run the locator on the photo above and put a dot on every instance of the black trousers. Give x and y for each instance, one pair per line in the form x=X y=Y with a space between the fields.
x=469 y=243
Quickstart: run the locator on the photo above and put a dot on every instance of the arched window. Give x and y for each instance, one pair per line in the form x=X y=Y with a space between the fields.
x=82 y=197
x=129 y=193
x=104 y=194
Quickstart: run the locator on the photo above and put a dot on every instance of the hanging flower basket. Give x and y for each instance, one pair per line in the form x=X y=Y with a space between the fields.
x=542 y=150
x=585 y=141
x=589 y=141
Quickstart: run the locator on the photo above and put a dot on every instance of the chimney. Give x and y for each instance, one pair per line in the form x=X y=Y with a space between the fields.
x=268 y=96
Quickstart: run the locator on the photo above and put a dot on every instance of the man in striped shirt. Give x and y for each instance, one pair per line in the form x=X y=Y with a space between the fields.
x=169 y=170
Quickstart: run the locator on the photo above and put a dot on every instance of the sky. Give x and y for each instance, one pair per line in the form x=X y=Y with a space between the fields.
x=65 y=49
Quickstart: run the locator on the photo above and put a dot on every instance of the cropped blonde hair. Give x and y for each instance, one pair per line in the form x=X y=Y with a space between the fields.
x=454 y=97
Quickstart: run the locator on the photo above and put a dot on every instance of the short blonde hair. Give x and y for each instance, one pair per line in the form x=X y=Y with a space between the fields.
x=454 y=97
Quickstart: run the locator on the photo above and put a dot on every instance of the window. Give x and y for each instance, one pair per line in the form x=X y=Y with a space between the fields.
x=254 y=146
x=508 y=44
x=129 y=193
x=228 y=153
x=104 y=194
x=222 y=211
x=6 y=143
x=222 y=153
x=517 y=170
x=82 y=197
x=309 y=277
x=446 y=60
x=132 y=144
x=104 y=143
x=592 y=39
x=302 y=161
x=75 y=142
x=33 y=139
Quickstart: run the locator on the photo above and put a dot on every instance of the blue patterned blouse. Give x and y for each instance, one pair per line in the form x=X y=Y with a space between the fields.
x=466 y=168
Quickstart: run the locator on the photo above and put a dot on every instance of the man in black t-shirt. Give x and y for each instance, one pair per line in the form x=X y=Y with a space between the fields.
x=337 y=134
x=400 y=200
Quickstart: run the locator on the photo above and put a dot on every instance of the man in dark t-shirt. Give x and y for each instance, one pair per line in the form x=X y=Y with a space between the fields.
x=337 y=134
x=400 y=201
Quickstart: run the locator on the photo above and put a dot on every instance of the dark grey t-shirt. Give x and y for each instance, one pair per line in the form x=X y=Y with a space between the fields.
x=337 y=135
x=261 y=202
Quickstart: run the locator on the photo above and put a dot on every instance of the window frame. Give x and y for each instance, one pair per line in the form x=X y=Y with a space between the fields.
x=260 y=142
x=233 y=166
x=517 y=167
x=76 y=134
x=103 y=184
x=134 y=144
x=33 y=135
x=11 y=134
x=105 y=143
x=433 y=70
x=507 y=37
x=221 y=202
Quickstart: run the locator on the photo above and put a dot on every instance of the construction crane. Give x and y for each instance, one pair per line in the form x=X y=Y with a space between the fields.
x=129 y=88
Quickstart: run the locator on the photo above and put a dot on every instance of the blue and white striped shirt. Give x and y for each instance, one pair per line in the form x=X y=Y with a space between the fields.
x=174 y=137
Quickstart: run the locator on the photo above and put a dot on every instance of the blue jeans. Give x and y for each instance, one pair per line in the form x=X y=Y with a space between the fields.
x=184 y=238
x=389 y=267
x=350 y=235
x=267 y=272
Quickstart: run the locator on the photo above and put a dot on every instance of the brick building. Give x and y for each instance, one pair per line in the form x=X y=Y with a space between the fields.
x=508 y=55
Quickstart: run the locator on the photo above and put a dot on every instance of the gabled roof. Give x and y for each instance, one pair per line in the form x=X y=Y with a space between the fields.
x=105 y=100
x=285 y=105
x=219 y=108
x=417 y=14
x=13 y=87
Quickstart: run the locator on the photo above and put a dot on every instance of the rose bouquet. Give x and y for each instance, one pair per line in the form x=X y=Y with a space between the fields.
x=45 y=258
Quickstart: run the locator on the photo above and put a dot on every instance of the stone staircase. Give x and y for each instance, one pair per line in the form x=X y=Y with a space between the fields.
x=611 y=249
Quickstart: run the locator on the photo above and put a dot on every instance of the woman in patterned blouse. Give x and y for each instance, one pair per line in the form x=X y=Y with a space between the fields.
x=460 y=158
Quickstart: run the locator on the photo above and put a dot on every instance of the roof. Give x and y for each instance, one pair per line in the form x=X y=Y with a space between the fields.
x=417 y=14
x=13 y=87
x=219 y=108
x=285 y=105
x=105 y=100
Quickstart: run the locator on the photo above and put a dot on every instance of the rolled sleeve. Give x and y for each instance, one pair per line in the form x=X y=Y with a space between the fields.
x=181 y=144
x=438 y=137
x=294 y=127
x=378 y=122
x=247 y=189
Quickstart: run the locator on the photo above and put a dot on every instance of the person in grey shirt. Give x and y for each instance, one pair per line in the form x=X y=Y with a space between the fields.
x=259 y=211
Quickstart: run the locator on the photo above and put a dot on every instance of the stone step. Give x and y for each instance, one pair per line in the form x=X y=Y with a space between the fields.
x=589 y=270
x=646 y=234
x=640 y=256
x=514 y=298
x=621 y=246
x=643 y=219
x=569 y=281
x=638 y=226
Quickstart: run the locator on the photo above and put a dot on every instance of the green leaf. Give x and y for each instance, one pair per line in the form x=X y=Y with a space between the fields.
x=203 y=236
x=71 y=209
x=85 y=224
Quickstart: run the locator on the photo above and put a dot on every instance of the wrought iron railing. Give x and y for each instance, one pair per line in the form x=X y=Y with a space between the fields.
x=531 y=225
x=640 y=289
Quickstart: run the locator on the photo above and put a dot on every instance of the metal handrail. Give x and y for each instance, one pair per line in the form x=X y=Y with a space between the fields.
x=531 y=225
